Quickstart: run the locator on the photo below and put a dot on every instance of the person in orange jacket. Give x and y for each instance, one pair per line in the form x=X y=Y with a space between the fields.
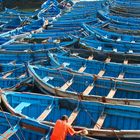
x=62 y=128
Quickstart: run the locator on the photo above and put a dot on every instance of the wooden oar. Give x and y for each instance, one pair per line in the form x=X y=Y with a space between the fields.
x=45 y=113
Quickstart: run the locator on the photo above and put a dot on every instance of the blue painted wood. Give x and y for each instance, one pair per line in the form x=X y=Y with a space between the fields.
x=98 y=55
x=118 y=19
x=135 y=4
x=101 y=86
x=9 y=133
x=94 y=67
x=112 y=42
x=21 y=106
x=118 y=117
x=111 y=36
x=27 y=127
x=21 y=128
x=21 y=30
x=34 y=44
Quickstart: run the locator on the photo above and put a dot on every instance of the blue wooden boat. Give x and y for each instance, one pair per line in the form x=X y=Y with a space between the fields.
x=104 y=15
x=112 y=37
x=105 y=121
x=66 y=4
x=12 y=70
x=47 y=3
x=10 y=83
x=75 y=15
x=84 y=15
x=61 y=29
x=43 y=11
x=126 y=29
x=9 y=67
x=61 y=82
x=135 y=4
x=7 y=16
x=124 y=11
x=33 y=45
x=37 y=13
x=82 y=11
x=4 y=40
x=22 y=57
x=62 y=34
x=104 y=56
x=35 y=25
x=109 y=41
x=76 y=21
x=105 y=68
x=17 y=128
x=11 y=75
x=12 y=24
x=22 y=53
x=92 y=42
x=50 y=12
x=16 y=12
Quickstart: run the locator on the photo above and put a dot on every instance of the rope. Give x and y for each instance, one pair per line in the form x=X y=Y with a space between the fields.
x=98 y=125
x=1 y=92
x=8 y=122
x=116 y=134
x=79 y=101
x=20 y=130
x=22 y=134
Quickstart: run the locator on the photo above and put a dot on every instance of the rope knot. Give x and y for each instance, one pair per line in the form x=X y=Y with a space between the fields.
x=80 y=96
x=103 y=99
x=95 y=77
x=126 y=102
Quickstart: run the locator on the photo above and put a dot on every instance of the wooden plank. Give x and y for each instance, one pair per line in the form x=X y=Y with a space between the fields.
x=121 y=76
x=99 y=48
x=45 y=113
x=108 y=59
x=75 y=54
x=7 y=74
x=130 y=51
x=82 y=69
x=22 y=75
x=10 y=132
x=101 y=73
x=12 y=62
x=111 y=93
x=69 y=83
x=100 y=122
x=125 y=61
x=22 y=105
x=47 y=78
x=90 y=57
x=114 y=50
x=102 y=118
x=73 y=116
x=66 y=85
x=88 y=89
